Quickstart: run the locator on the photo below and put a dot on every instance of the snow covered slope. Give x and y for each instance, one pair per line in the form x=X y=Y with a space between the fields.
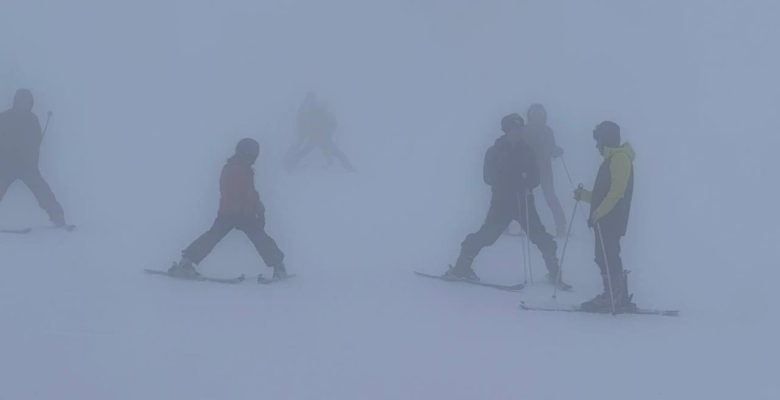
x=149 y=98
x=81 y=321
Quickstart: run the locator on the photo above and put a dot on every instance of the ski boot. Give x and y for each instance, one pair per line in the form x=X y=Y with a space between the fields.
x=462 y=273
x=183 y=269
x=623 y=299
x=280 y=272
x=554 y=280
x=600 y=303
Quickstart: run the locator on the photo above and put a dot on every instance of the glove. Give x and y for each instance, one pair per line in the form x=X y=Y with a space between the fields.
x=582 y=194
x=557 y=152
x=594 y=219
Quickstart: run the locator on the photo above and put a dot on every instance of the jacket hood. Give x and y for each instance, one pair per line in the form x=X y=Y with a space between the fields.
x=625 y=148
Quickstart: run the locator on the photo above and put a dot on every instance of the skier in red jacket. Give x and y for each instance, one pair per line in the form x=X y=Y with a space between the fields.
x=239 y=208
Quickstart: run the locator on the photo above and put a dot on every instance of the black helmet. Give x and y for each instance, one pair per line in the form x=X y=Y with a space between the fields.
x=247 y=149
x=537 y=114
x=23 y=100
x=607 y=134
x=511 y=121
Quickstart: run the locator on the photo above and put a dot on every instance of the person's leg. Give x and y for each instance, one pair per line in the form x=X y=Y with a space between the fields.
x=607 y=250
x=265 y=245
x=46 y=199
x=297 y=153
x=495 y=224
x=538 y=235
x=6 y=180
x=548 y=189
x=204 y=244
x=617 y=274
x=336 y=152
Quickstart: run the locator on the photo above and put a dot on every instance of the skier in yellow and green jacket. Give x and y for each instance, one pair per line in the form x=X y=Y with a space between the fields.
x=610 y=203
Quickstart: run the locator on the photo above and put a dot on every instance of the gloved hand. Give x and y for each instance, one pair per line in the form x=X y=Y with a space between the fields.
x=557 y=152
x=594 y=219
x=582 y=194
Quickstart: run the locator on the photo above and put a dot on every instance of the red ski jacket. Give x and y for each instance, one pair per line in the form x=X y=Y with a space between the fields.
x=237 y=188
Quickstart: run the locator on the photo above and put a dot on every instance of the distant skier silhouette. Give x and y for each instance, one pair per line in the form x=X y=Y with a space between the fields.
x=315 y=128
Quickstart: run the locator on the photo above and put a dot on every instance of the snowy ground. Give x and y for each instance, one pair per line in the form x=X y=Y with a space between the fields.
x=81 y=321
x=150 y=96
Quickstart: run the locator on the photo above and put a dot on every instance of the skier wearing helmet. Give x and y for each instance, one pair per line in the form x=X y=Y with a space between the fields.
x=610 y=203
x=512 y=173
x=239 y=208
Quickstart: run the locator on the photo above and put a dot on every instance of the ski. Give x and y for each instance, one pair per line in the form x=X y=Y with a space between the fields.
x=17 y=231
x=509 y=288
x=641 y=311
x=267 y=281
x=23 y=231
x=199 y=278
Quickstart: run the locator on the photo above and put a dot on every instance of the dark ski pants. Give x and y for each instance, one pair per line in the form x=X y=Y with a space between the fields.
x=40 y=189
x=503 y=210
x=253 y=227
x=611 y=250
x=328 y=149
x=548 y=190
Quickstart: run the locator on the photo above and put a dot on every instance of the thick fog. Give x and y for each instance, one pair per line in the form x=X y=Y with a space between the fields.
x=148 y=100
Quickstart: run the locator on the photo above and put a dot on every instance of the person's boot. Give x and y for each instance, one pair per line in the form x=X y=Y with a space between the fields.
x=602 y=302
x=462 y=271
x=183 y=269
x=555 y=280
x=623 y=299
x=280 y=272
x=553 y=272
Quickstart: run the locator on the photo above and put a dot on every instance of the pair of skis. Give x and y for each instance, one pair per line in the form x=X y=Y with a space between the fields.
x=523 y=306
x=232 y=281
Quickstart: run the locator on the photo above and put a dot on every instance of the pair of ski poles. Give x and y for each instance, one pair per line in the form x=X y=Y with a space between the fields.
x=527 y=267
x=566 y=243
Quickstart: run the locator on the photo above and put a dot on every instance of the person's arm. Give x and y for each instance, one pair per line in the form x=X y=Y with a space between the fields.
x=582 y=194
x=489 y=167
x=37 y=132
x=555 y=150
x=620 y=171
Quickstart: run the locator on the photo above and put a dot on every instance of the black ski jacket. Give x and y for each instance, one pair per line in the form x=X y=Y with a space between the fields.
x=20 y=140
x=510 y=168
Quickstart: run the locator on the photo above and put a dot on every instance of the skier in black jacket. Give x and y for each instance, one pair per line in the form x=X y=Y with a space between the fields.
x=610 y=207
x=512 y=172
x=20 y=147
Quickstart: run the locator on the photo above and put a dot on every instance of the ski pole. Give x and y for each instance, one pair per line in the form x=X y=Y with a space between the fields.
x=606 y=266
x=46 y=126
x=528 y=237
x=525 y=237
x=568 y=175
x=563 y=251
x=565 y=168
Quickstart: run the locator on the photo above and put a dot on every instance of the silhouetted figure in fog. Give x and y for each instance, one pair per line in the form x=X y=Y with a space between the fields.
x=542 y=139
x=610 y=203
x=20 y=147
x=512 y=172
x=239 y=208
x=315 y=127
